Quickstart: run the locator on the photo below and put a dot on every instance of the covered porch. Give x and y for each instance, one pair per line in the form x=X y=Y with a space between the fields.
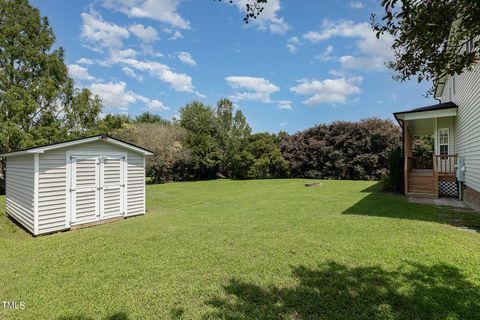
x=430 y=160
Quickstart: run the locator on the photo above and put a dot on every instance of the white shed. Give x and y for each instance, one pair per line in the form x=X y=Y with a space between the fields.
x=59 y=186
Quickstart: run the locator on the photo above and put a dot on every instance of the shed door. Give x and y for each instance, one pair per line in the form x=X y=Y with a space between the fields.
x=84 y=188
x=112 y=186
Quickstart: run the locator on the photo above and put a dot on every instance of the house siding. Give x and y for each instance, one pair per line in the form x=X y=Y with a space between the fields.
x=446 y=122
x=19 y=184
x=467 y=131
x=53 y=183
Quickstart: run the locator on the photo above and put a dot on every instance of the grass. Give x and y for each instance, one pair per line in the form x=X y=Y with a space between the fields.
x=269 y=249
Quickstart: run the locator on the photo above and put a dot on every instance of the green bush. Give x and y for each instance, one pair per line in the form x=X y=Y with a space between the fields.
x=393 y=180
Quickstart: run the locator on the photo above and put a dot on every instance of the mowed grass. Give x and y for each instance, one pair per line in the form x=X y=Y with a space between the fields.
x=269 y=249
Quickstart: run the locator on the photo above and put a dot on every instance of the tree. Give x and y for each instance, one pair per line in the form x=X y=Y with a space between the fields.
x=260 y=159
x=200 y=122
x=170 y=155
x=231 y=134
x=432 y=38
x=82 y=113
x=342 y=150
x=148 y=117
x=38 y=101
x=111 y=122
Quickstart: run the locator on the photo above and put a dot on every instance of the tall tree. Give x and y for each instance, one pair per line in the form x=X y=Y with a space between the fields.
x=231 y=134
x=200 y=122
x=432 y=38
x=38 y=102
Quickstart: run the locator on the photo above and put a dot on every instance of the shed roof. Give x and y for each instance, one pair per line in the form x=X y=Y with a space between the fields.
x=103 y=137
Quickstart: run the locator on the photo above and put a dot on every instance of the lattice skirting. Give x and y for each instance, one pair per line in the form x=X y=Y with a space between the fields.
x=448 y=188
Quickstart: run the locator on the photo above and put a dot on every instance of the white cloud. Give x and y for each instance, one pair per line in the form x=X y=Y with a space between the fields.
x=178 y=81
x=85 y=61
x=282 y=124
x=362 y=63
x=186 y=58
x=145 y=34
x=122 y=54
x=115 y=96
x=285 y=104
x=356 y=5
x=268 y=19
x=292 y=44
x=341 y=28
x=375 y=52
x=79 y=73
x=257 y=89
x=328 y=90
x=164 y=11
x=131 y=73
x=99 y=33
x=176 y=35
x=152 y=104
x=325 y=55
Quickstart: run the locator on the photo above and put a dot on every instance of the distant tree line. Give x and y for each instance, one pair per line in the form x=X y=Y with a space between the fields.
x=216 y=142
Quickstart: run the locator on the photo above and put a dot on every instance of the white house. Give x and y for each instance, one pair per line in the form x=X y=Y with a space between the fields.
x=455 y=125
x=59 y=186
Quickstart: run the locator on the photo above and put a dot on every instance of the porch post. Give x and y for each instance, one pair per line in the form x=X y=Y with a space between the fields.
x=407 y=138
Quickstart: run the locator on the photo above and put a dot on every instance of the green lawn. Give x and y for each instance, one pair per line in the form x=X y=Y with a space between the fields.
x=269 y=249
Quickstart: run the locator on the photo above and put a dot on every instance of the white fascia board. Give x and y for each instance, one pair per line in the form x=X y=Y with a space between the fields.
x=452 y=112
x=50 y=147
x=128 y=146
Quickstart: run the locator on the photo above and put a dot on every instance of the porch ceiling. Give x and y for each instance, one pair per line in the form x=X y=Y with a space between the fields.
x=422 y=127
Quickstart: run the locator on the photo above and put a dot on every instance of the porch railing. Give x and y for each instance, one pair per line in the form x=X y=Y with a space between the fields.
x=445 y=164
x=422 y=162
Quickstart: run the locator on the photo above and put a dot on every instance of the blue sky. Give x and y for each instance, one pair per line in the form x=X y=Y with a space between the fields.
x=301 y=63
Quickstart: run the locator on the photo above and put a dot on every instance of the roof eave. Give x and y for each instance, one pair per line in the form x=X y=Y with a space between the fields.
x=111 y=140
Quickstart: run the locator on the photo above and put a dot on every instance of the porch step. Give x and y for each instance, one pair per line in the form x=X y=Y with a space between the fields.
x=421 y=195
x=421 y=184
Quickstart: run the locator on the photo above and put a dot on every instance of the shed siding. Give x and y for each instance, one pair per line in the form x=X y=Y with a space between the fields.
x=135 y=184
x=467 y=130
x=52 y=193
x=20 y=190
x=53 y=183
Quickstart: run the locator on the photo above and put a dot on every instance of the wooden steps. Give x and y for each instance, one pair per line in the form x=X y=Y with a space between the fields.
x=421 y=184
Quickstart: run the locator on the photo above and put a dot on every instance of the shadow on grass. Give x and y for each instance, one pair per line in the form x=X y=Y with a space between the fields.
x=380 y=204
x=336 y=291
x=115 y=316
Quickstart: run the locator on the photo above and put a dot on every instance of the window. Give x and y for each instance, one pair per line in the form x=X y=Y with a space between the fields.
x=470 y=46
x=443 y=141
